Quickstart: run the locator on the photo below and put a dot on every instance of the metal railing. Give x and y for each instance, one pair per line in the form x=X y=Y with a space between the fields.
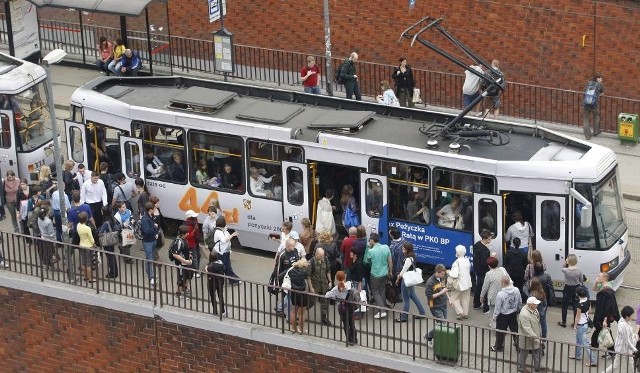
x=252 y=303
x=525 y=101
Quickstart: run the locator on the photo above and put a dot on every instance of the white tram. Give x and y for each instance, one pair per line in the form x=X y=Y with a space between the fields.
x=401 y=167
x=26 y=141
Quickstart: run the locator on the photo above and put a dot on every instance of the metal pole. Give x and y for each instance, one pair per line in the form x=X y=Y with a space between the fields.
x=146 y=17
x=327 y=46
x=56 y=141
x=169 y=39
x=222 y=28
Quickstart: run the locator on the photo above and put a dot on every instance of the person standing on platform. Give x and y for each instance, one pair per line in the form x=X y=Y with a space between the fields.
x=403 y=78
x=325 y=221
x=436 y=292
x=94 y=193
x=320 y=275
x=481 y=253
x=349 y=77
x=461 y=269
x=471 y=86
x=625 y=344
x=222 y=239
x=57 y=215
x=11 y=186
x=572 y=278
x=591 y=106
x=310 y=76
x=606 y=308
x=149 y=229
x=505 y=313
x=379 y=258
x=529 y=341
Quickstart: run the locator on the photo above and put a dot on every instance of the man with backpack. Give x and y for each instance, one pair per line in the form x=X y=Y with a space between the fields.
x=397 y=256
x=180 y=254
x=347 y=75
x=591 y=107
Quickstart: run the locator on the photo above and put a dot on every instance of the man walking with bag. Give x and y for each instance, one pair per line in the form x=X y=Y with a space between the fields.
x=591 y=106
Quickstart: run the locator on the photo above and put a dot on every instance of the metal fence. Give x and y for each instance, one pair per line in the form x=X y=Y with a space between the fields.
x=525 y=101
x=252 y=303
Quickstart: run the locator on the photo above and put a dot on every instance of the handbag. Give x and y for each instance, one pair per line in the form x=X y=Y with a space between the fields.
x=351 y=219
x=390 y=293
x=453 y=283
x=416 y=99
x=128 y=237
x=110 y=238
x=604 y=338
x=412 y=278
x=286 y=281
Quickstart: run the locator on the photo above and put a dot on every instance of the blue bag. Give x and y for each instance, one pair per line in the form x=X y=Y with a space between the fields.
x=351 y=219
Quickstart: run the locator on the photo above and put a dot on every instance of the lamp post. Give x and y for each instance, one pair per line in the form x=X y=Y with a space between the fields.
x=52 y=58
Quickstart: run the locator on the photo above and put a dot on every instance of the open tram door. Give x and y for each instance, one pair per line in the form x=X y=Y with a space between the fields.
x=8 y=144
x=373 y=205
x=76 y=143
x=488 y=215
x=550 y=234
x=131 y=157
x=295 y=193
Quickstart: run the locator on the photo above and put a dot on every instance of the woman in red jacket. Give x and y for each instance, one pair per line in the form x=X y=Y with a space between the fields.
x=193 y=238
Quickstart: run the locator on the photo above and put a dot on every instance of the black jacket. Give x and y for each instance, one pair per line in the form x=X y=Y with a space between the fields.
x=403 y=80
x=348 y=71
x=480 y=255
x=606 y=306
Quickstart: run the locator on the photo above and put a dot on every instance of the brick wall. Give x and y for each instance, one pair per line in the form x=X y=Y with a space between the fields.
x=539 y=42
x=41 y=333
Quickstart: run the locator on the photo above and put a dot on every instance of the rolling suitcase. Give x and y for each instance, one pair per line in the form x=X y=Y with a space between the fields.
x=446 y=343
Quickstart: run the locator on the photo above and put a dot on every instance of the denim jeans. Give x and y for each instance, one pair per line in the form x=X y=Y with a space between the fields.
x=543 y=320
x=58 y=220
x=149 y=247
x=582 y=341
x=378 y=287
x=228 y=271
x=438 y=313
x=409 y=293
x=315 y=90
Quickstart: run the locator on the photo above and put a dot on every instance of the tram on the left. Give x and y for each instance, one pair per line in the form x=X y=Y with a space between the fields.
x=26 y=142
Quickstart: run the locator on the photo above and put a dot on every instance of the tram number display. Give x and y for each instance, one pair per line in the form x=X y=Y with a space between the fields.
x=189 y=201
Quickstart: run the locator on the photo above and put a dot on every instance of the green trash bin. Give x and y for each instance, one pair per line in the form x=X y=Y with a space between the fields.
x=628 y=127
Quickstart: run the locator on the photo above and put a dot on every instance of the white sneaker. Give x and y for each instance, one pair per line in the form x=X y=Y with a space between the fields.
x=380 y=315
x=3 y=265
x=430 y=344
x=153 y=281
x=198 y=275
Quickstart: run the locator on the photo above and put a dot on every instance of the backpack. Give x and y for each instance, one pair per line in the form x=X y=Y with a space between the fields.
x=174 y=249
x=590 y=95
x=209 y=239
x=338 y=75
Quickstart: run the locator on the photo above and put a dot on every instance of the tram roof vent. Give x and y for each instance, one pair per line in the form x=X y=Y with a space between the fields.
x=270 y=112
x=201 y=100
x=117 y=91
x=342 y=121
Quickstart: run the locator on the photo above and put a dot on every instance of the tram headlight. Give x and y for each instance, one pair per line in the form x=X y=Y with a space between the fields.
x=605 y=267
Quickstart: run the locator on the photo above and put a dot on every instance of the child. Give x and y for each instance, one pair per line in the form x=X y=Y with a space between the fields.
x=123 y=220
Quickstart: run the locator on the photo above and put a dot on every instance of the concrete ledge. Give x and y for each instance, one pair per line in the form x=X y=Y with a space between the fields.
x=231 y=327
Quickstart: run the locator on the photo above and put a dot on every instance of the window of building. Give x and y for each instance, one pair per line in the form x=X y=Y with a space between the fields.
x=217 y=161
x=265 y=167
x=408 y=190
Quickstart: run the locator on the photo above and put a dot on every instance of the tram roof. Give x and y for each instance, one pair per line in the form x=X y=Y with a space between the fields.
x=17 y=75
x=306 y=115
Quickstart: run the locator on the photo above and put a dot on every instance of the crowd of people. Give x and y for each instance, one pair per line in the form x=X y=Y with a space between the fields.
x=115 y=58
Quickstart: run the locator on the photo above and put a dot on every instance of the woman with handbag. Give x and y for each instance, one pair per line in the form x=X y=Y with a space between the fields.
x=108 y=235
x=461 y=294
x=409 y=291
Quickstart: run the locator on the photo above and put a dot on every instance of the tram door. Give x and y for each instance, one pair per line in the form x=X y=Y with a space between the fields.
x=551 y=229
x=76 y=143
x=131 y=157
x=8 y=144
x=487 y=213
x=373 y=204
x=295 y=193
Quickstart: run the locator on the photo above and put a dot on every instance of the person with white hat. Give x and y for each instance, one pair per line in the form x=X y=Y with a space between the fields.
x=530 y=333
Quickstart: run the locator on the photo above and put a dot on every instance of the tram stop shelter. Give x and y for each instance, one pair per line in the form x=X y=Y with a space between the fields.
x=121 y=8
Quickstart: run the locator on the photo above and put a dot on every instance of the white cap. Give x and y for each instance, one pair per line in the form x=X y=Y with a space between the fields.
x=294 y=235
x=533 y=300
x=191 y=214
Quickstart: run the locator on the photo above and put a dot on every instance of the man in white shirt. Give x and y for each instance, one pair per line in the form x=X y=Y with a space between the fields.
x=471 y=86
x=325 y=220
x=94 y=193
x=153 y=165
x=83 y=175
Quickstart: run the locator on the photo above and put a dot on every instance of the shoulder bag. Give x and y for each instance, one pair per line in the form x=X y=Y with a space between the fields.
x=286 y=281
x=110 y=238
x=412 y=278
x=604 y=338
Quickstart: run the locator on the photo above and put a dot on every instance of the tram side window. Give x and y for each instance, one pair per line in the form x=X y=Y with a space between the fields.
x=373 y=198
x=265 y=165
x=550 y=227
x=408 y=190
x=217 y=161
x=164 y=152
x=5 y=139
x=454 y=197
x=295 y=185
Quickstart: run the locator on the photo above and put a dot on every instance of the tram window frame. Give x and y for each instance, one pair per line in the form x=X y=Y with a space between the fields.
x=141 y=129
x=463 y=220
x=210 y=139
x=78 y=154
x=547 y=231
x=487 y=216
x=274 y=165
x=373 y=207
x=292 y=193
x=400 y=184
x=6 y=132
x=132 y=166
x=76 y=114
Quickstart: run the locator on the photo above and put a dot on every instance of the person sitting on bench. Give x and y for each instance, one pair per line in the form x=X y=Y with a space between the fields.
x=131 y=63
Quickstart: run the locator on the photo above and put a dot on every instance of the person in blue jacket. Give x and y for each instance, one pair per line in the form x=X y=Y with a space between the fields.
x=131 y=63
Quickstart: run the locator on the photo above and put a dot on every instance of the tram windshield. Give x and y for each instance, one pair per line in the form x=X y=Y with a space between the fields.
x=32 y=122
x=608 y=215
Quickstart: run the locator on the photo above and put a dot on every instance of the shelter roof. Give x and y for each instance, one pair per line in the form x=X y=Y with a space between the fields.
x=119 y=7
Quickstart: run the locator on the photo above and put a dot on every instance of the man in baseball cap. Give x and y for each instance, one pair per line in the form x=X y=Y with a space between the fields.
x=530 y=332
